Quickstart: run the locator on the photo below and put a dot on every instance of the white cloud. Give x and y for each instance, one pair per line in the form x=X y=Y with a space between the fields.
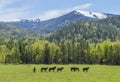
x=56 y=13
x=12 y=13
x=85 y=6
x=4 y=3
x=51 y=14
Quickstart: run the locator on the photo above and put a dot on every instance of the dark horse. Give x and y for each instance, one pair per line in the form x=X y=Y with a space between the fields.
x=60 y=69
x=44 y=69
x=52 y=69
x=34 y=69
x=85 y=69
x=74 y=69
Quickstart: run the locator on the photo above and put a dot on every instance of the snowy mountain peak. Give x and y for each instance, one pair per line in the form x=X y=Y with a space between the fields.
x=91 y=14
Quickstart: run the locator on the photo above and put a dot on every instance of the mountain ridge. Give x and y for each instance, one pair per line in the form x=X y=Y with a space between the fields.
x=51 y=25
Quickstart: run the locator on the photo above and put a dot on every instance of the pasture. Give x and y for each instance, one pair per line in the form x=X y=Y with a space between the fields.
x=24 y=73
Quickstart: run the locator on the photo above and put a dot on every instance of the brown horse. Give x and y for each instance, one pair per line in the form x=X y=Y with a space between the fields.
x=44 y=69
x=60 y=69
x=52 y=69
x=85 y=69
x=75 y=69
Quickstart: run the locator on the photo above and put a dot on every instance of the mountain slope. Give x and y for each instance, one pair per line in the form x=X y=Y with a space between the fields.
x=94 y=31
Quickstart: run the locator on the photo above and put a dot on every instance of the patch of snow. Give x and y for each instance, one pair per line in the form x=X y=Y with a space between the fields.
x=91 y=14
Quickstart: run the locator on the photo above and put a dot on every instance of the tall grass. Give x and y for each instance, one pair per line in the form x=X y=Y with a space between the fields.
x=24 y=73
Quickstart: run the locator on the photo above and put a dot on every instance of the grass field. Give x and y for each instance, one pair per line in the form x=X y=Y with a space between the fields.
x=24 y=73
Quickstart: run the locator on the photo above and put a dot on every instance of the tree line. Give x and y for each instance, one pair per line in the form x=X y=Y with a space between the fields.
x=35 y=51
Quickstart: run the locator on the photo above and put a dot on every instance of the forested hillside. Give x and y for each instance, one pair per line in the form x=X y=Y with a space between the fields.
x=115 y=20
x=93 y=31
x=9 y=31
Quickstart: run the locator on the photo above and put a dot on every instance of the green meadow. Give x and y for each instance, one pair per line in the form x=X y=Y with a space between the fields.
x=24 y=73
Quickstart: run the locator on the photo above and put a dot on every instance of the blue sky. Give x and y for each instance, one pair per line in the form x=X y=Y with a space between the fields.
x=46 y=9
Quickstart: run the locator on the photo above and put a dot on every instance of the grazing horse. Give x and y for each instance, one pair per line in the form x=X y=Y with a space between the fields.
x=60 y=69
x=74 y=69
x=85 y=69
x=52 y=69
x=44 y=69
x=34 y=69
x=77 y=69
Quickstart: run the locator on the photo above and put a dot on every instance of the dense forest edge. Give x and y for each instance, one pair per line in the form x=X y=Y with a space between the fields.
x=31 y=51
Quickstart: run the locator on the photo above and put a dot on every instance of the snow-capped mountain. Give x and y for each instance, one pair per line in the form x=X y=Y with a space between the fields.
x=91 y=14
x=56 y=23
